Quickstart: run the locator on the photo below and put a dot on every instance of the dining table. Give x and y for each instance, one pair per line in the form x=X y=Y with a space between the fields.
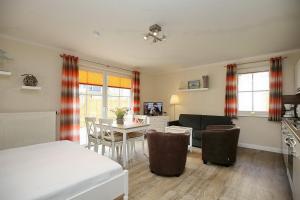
x=127 y=127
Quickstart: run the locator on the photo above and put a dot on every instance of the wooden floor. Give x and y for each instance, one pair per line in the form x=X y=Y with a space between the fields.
x=257 y=175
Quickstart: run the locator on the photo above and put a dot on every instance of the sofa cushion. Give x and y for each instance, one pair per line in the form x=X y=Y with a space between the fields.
x=193 y=121
x=214 y=120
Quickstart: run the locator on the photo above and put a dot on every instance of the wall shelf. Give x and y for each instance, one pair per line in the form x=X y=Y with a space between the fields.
x=5 y=73
x=30 y=87
x=190 y=90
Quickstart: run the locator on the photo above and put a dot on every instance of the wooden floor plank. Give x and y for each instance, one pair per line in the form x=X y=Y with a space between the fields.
x=257 y=175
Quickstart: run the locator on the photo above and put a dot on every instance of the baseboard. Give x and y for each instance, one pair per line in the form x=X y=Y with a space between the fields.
x=259 y=147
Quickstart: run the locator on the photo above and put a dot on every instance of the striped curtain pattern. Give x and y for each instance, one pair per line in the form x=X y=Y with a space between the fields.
x=70 y=107
x=136 y=92
x=230 y=109
x=275 y=100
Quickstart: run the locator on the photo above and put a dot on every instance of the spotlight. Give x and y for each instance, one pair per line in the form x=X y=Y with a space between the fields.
x=145 y=37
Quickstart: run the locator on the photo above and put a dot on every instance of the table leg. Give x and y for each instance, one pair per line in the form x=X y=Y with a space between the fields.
x=124 y=149
x=191 y=136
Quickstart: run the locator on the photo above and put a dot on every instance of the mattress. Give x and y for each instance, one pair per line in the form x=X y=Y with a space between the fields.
x=55 y=170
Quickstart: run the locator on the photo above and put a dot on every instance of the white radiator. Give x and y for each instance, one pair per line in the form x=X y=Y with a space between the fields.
x=21 y=129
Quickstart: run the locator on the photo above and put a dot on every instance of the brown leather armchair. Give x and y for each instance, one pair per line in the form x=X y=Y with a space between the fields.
x=167 y=153
x=219 y=144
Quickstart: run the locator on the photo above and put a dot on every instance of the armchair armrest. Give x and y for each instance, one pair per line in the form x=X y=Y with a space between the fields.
x=174 y=123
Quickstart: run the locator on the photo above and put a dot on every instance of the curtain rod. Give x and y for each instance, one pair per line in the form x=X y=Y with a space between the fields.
x=257 y=61
x=108 y=66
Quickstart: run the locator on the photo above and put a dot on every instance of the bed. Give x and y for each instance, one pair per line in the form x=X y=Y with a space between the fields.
x=60 y=170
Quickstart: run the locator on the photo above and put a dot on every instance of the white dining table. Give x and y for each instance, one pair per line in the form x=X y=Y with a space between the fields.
x=126 y=128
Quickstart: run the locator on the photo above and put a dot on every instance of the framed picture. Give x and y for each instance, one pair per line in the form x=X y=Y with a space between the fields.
x=194 y=84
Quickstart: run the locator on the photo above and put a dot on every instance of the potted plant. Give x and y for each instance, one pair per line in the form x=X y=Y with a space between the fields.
x=120 y=113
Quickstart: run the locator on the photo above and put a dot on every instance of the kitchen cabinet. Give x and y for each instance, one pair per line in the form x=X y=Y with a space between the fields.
x=290 y=130
x=296 y=172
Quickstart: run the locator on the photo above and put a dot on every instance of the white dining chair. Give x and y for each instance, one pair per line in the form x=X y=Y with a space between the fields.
x=94 y=137
x=133 y=137
x=109 y=138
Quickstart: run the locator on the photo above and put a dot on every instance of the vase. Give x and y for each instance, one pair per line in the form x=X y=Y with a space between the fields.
x=120 y=120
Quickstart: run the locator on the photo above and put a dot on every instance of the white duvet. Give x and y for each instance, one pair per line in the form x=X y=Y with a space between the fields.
x=56 y=170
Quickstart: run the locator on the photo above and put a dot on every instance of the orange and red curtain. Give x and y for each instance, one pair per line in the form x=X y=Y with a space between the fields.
x=70 y=111
x=275 y=100
x=136 y=92
x=230 y=109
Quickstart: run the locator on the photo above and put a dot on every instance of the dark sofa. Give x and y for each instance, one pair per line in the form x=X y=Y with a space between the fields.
x=199 y=123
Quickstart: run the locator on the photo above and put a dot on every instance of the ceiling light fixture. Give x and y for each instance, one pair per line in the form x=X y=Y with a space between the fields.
x=155 y=30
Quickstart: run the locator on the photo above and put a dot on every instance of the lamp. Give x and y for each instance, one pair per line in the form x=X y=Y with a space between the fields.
x=174 y=101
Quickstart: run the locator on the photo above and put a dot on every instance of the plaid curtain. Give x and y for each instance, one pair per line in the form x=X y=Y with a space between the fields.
x=275 y=99
x=136 y=92
x=230 y=109
x=70 y=111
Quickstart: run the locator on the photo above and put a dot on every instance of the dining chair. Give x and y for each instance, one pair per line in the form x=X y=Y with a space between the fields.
x=93 y=135
x=139 y=135
x=109 y=138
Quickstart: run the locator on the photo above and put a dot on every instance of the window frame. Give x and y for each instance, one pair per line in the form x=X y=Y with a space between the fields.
x=105 y=87
x=251 y=113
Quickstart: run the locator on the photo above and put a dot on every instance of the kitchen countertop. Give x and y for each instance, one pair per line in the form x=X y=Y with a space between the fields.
x=292 y=127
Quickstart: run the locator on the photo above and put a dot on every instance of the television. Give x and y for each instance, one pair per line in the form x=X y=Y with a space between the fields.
x=153 y=108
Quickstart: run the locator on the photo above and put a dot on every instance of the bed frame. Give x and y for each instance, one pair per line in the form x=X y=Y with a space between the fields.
x=110 y=189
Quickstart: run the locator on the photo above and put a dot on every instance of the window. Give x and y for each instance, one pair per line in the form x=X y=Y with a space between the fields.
x=253 y=93
x=94 y=99
x=118 y=93
x=91 y=98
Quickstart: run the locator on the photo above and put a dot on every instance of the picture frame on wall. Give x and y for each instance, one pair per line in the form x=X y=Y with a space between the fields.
x=195 y=84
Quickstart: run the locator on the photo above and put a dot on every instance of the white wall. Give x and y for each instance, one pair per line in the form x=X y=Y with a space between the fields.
x=44 y=63
x=254 y=130
x=41 y=61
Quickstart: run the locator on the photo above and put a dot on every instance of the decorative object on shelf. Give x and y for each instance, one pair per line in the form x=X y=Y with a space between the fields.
x=194 y=84
x=205 y=81
x=120 y=113
x=154 y=33
x=174 y=100
x=29 y=80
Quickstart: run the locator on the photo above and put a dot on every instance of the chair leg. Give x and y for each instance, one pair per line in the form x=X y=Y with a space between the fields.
x=143 y=145
x=117 y=149
x=128 y=146
x=113 y=151
x=96 y=147
x=103 y=149
x=89 y=144
x=132 y=148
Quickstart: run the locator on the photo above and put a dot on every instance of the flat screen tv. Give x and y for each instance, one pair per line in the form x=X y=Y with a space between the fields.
x=153 y=108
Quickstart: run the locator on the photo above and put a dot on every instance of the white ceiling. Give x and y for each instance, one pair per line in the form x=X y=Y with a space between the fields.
x=198 y=31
